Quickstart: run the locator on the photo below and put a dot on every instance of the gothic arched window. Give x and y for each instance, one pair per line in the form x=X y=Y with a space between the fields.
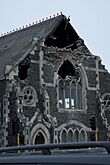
x=70 y=87
x=82 y=135
x=70 y=136
x=73 y=135
x=76 y=136
x=64 y=136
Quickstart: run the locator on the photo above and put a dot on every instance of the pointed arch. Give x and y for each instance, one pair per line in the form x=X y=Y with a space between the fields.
x=70 y=135
x=76 y=135
x=82 y=135
x=66 y=69
x=40 y=137
x=76 y=123
x=71 y=87
x=39 y=128
x=63 y=135
x=69 y=59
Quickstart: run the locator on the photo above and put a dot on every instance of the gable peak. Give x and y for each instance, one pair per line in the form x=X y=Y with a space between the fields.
x=30 y=24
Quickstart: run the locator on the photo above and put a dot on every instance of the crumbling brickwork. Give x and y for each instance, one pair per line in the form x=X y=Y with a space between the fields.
x=53 y=87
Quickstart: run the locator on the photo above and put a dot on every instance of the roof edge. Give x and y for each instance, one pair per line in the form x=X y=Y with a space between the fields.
x=30 y=25
x=34 y=43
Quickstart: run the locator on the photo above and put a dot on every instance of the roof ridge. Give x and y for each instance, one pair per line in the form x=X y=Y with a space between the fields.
x=29 y=25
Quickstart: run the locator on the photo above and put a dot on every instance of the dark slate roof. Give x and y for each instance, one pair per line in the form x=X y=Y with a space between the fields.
x=13 y=46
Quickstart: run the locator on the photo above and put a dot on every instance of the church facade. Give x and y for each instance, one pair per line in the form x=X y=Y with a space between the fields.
x=53 y=89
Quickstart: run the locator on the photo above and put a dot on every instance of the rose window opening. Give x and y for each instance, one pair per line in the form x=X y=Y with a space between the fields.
x=28 y=96
x=106 y=101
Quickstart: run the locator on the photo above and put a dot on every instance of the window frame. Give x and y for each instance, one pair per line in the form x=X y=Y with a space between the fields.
x=76 y=135
x=71 y=80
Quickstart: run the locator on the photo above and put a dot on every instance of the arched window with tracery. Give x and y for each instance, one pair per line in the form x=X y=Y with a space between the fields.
x=82 y=135
x=64 y=136
x=70 y=87
x=70 y=135
x=76 y=136
x=73 y=135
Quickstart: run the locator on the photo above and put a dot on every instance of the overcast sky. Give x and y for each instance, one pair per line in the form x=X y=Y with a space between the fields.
x=90 y=18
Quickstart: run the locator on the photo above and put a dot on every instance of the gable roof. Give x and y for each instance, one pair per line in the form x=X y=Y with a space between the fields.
x=15 y=45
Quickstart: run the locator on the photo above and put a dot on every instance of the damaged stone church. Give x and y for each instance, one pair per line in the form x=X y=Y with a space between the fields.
x=52 y=88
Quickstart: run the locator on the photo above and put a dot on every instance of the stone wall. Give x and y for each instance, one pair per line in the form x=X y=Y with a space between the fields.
x=42 y=77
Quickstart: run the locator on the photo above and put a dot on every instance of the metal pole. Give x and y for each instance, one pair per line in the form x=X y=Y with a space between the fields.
x=18 y=139
x=96 y=135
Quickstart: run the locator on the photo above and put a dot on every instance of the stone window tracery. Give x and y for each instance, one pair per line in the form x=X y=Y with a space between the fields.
x=105 y=106
x=106 y=101
x=70 y=135
x=82 y=136
x=29 y=95
x=76 y=135
x=64 y=136
x=73 y=135
x=70 y=88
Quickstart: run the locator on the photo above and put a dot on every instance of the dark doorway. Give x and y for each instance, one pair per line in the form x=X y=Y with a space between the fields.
x=39 y=139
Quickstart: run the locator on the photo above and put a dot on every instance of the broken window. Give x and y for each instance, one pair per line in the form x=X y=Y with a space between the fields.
x=23 y=71
x=70 y=87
